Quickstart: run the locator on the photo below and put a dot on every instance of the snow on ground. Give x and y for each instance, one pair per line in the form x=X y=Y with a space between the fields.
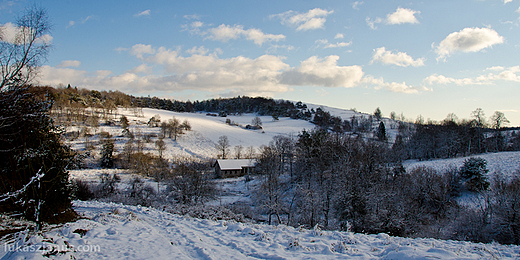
x=114 y=231
x=505 y=163
x=206 y=130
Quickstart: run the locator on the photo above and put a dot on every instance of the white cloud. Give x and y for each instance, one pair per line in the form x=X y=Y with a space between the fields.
x=507 y=1
x=401 y=16
x=203 y=70
x=392 y=86
x=356 y=5
x=400 y=58
x=90 y=17
x=139 y=49
x=69 y=63
x=274 y=48
x=194 y=27
x=339 y=36
x=441 y=79
x=192 y=17
x=372 y=23
x=143 y=13
x=324 y=73
x=14 y=34
x=71 y=23
x=225 y=32
x=143 y=68
x=468 y=40
x=121 y=49
x=333 y=45
x=499 y=74
x=198 y=50
x=311 y=20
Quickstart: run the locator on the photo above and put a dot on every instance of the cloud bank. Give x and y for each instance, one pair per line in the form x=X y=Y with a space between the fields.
x=165 y=69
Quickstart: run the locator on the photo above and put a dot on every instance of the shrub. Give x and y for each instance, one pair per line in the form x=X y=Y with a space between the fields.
x=82 y=190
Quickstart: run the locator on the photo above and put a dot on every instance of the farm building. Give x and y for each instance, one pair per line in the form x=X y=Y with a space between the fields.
x=234 y=167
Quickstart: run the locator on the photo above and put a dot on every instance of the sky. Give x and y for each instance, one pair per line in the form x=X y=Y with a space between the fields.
x=428 y=58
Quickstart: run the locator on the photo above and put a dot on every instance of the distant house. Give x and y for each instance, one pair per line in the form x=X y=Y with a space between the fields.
x=234 y=167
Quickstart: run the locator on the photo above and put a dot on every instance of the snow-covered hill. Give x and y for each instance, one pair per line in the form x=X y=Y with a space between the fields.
x=503 y=163
x=114 y=231
x=206 y=130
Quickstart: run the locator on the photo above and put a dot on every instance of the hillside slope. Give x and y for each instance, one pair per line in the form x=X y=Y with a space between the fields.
x=110 y=231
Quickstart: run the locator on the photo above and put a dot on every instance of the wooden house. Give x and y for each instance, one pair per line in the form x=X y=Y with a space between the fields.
x=226 y=168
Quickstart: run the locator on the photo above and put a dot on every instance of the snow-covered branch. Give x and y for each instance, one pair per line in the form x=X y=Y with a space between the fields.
x=17 y=193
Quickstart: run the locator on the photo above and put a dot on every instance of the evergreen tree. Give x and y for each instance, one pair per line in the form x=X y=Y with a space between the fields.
x=107 y=154
x=473 y=173
x=381 y=132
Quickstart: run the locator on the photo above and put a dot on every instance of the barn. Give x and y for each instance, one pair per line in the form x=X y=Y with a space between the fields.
x=226 y=168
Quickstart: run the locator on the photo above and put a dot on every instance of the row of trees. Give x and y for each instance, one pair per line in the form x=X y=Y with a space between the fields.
x=453 y=137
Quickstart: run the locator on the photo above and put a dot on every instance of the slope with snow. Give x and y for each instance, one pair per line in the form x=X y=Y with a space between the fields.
x=206 y=130
x=114 y=231
x=503 y=163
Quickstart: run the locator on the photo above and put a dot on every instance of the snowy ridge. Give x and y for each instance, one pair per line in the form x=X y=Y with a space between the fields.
x=111 y=231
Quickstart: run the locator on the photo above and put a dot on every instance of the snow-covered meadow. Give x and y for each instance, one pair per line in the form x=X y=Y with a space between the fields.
x=114 y=231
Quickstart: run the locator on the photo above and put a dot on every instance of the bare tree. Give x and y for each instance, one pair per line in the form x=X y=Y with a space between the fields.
x=479 y=116
x=161 y=146
x=223 y=146
x=250 y=152
x=498 y=119
x=175 y=128
x=22 y=53
x=256 y=121
x=238 y=151
x=378 y=114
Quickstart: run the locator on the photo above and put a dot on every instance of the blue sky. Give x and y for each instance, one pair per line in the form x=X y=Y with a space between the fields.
x=428 y=58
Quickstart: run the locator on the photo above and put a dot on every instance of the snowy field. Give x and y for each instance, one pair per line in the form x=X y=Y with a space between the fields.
x=503 y=163
x=114 y=231
x=206 y=130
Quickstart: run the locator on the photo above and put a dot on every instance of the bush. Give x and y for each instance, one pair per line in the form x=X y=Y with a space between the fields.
x=140 y=193
x=190 y=185
x=82 y=190
x=108 y=185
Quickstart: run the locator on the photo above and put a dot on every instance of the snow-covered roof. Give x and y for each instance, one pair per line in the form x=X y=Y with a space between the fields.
x=235 y=164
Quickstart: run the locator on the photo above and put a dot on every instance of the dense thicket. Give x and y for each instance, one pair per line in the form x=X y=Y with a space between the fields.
x=343 y=181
